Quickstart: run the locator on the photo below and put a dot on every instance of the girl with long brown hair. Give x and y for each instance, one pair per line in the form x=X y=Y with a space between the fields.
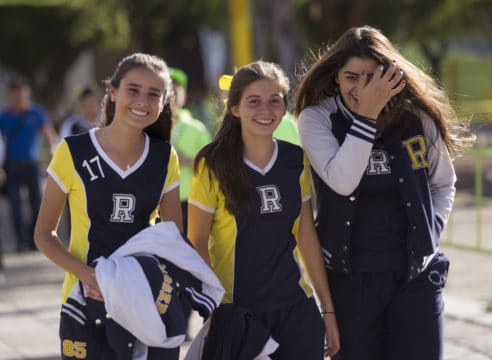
x=378 y=132
x=250 y=218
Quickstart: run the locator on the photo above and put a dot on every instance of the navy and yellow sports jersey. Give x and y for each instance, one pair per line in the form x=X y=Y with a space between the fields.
x=255 y=255
x=108 y=205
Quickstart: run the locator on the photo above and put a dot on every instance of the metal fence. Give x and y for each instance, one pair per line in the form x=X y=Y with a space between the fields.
x=470 y=223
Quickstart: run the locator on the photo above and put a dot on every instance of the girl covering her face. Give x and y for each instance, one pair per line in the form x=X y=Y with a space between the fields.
x=378 y=132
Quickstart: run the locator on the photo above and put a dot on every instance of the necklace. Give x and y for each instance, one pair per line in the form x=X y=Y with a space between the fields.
x=106 y=141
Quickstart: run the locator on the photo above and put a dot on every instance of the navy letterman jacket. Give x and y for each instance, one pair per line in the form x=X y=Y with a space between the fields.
x=142 y=282
x=338 y=144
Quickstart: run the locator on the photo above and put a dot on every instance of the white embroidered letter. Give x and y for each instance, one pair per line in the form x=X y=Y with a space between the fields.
x=123 y=207
x=270 y=199
x=378 y=163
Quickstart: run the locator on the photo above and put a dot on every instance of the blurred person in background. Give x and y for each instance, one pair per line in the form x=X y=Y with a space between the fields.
x=86 y=115
x=21 y=124
x=2 y=182
x=378 y=132
x=188 y=136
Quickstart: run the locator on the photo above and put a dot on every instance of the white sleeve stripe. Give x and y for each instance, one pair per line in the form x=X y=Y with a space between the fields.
x=201 y=206
x=365 y=126
x=199 y=301
x=206 y=299
x=326 y=252
x=73 y=316
x=362 y=137
x=306 y=198
x=57 y=180
x=362 y=131
x=205 y=295
x=74 y=309
x=171 y=187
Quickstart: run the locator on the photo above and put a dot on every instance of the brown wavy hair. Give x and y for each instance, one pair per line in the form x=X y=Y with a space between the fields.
x=421 y=89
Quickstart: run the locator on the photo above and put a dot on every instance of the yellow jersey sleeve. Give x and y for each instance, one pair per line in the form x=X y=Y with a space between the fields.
x=61 y=167
x=305 y=180
x=203 y=189
x=172 y=178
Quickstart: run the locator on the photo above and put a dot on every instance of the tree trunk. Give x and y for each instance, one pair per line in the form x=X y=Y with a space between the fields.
x=435 y=56
x=276 y=35
x=336 y=19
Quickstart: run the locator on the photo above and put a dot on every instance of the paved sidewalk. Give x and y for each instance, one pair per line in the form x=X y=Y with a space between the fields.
x=29 y=305
x=468 y=327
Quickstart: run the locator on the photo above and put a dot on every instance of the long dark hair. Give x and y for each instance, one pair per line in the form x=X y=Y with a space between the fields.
x=224 y=155
x=161 y=128
x=421 y=89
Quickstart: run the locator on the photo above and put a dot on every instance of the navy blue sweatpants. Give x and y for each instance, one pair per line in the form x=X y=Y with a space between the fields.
x=381 y=316
x=299 y=330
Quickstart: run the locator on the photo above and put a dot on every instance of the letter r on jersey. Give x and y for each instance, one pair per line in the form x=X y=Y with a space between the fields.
x=123 y=207
x=270 y=199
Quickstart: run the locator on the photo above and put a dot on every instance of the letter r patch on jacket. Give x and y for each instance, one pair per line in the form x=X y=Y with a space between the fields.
x=378 y=163
x=416 y=150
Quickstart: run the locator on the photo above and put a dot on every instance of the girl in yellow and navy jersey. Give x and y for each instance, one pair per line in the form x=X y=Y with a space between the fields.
x=250 y=217
x=117 y=178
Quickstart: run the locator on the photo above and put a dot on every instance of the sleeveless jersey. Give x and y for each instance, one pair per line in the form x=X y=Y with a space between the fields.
x=255 y=254
x=108 y=205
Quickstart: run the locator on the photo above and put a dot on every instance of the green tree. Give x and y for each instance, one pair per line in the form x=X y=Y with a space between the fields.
x=44 y=37
x=171 y=29
x=276 y=33
x=41 y=39
x=431 y=25
x=323 y=21
x=434 y=25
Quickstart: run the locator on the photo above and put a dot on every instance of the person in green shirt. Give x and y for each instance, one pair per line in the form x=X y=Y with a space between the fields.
x=287 y=129
x=188 y=136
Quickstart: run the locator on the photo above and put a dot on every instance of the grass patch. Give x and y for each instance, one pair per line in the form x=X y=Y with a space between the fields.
x=488 y=308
